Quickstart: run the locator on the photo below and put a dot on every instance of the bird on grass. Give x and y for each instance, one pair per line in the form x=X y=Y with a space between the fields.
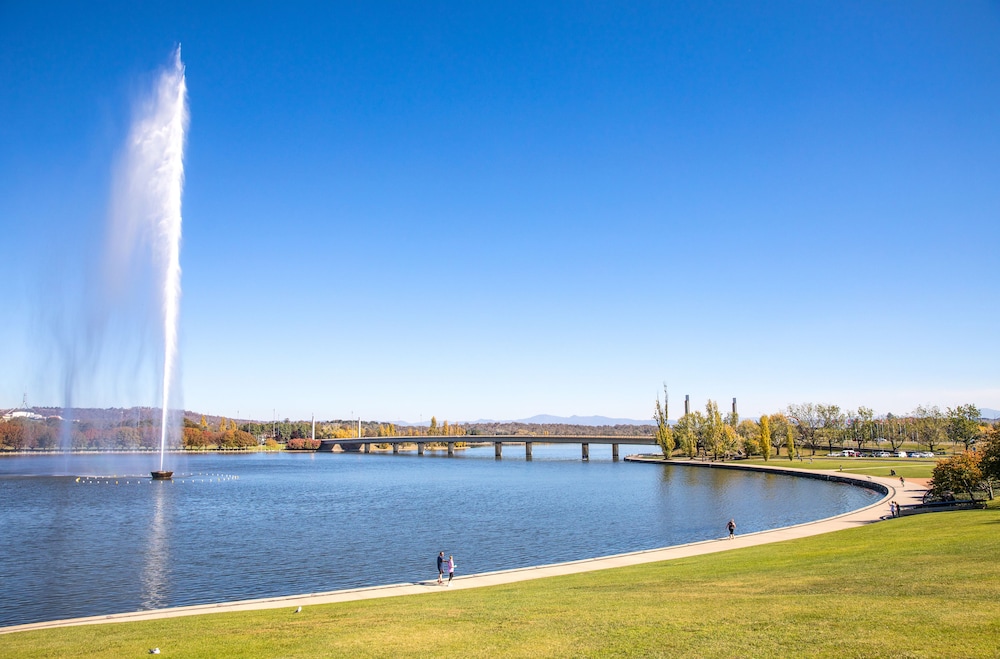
x=298 y=610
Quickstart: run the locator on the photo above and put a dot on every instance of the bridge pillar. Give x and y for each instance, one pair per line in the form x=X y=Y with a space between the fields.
x=498 y=450
x=451 y=449
x=368 y=447
x=420 y=448
x=395 y=448
x=614 y=451
x=527 y=450
x=585 y=449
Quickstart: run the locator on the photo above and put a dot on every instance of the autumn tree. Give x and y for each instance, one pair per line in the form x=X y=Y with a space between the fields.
x=989 y=451
x=241 y=439
x=790 y=442
x=960 y=473
x=664 y=433
x=750 y=436
x=730 y=441
x=195 y=437
x=688 y=430
x=765 y=437
x=711 y=432
x=779 y=431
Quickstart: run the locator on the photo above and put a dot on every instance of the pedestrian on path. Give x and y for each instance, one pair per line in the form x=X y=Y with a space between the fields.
x=451 y=569
x=732 y=528
x=440 y=568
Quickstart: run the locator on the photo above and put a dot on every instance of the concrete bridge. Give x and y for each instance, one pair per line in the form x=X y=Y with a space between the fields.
x=364 y=443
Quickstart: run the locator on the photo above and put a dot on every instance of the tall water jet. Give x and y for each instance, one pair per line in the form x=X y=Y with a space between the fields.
x=150 y=189
x=174 y=92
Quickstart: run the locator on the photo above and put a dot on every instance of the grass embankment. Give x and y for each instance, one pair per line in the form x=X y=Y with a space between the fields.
x=921 y=586
x=905 y=467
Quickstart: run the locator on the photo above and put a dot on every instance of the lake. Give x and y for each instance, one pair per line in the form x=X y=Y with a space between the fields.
x=86 y=535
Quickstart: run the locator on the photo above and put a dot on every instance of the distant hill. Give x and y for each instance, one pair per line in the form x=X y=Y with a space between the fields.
x=540 y=419
x=586 y=420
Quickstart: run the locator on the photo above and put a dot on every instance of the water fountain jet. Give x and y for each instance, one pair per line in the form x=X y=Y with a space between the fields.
x=154 y=182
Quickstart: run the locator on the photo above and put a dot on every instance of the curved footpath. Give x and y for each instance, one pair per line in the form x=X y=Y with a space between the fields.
x=911 y=493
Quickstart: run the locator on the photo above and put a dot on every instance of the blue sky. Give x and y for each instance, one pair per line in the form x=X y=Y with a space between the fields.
x=495 y=210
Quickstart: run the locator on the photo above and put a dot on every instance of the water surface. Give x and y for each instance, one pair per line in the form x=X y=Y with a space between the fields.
x=259 y=525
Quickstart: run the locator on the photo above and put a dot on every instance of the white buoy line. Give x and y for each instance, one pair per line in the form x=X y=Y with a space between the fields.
x=138 y=479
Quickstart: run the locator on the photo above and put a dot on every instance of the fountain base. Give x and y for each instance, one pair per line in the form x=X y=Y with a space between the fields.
x=162 y=475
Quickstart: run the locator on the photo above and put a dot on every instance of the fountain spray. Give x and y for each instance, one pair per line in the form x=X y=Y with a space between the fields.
x=156 y=173
x=173 y=88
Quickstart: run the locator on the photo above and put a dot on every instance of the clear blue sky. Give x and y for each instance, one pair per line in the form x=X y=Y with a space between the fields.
x=494 y=210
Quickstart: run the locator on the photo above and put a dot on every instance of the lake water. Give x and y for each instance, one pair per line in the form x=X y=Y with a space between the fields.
x=75 y=540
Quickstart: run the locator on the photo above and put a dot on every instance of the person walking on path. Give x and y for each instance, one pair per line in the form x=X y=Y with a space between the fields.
x=451 y=569
x=732 y=528
x=440 y=568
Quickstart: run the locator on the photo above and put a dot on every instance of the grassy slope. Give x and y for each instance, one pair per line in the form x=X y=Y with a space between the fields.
x=905 y=467
x=921 y=586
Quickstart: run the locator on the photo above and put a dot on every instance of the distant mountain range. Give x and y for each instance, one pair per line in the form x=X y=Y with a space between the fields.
x=986 y=413
x=586 y=420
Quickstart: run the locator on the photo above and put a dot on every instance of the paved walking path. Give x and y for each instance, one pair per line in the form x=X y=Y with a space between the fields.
x=911 y=493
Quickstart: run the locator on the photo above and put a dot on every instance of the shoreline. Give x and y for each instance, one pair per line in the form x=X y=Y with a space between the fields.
x=875 y=512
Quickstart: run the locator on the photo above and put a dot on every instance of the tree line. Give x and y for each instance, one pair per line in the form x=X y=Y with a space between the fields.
x=974 y=470
x=811 y=427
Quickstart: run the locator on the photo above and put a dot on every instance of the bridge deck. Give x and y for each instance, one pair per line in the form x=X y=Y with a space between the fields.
x=493 y=439
x=497 y=440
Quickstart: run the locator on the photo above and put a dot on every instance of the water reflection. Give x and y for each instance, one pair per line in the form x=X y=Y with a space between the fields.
x=154 y=578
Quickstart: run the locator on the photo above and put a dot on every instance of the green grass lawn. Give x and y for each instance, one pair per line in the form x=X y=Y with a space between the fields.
x=920 y=586
x=905 y=467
